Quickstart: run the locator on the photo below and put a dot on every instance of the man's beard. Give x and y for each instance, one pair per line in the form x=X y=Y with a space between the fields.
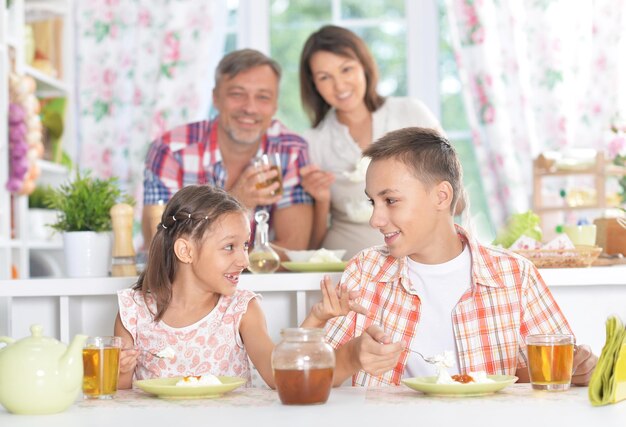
x=238 y=137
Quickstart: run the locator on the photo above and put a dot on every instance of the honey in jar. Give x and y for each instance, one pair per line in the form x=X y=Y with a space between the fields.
x=303 y=365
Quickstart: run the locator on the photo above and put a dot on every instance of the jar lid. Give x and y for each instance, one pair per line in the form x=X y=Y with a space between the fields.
x=303 y=334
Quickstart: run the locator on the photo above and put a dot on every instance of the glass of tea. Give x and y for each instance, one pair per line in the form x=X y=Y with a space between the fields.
x=101 y=367
x=550 y=361
x=303 y=365
x=264 y=164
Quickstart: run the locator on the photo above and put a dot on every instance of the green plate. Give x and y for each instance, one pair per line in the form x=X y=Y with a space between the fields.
x=315 y=266
x=166 y=388
x=428 y=385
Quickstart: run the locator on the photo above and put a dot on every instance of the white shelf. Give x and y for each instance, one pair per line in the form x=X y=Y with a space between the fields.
x=47 y=86
x=17 y=253
x=45 y=244
x=42 y=10
x=51 y=168
x=12 y=243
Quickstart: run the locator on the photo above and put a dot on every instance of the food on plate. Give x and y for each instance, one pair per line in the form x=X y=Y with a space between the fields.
x=318 y=256
x=198 y=380
x=463 y=378
x=478 y=377
x=324 y=255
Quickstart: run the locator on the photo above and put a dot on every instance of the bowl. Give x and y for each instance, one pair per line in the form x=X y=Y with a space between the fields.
x=305 y=256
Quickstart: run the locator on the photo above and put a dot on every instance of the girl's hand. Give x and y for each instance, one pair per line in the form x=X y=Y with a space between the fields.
x=336 y=301
x=128 y=360
x=317 y=182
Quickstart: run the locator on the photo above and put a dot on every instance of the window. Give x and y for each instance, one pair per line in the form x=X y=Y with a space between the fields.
x=380 y=23
x=383 y=25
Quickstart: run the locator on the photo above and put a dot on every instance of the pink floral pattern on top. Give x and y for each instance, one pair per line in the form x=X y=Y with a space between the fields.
x=211 y=345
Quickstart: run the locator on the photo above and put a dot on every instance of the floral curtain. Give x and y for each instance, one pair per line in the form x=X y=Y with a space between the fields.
x=143 y=66
x=538 y=75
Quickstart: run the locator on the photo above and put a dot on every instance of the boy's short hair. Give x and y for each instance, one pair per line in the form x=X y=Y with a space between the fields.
x=427 y=153
x=243 y=60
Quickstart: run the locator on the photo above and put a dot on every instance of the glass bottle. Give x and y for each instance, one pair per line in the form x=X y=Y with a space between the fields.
x=303 y=365
x=263 y=259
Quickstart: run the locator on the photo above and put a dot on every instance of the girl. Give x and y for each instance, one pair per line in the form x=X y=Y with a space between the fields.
x=186 y=302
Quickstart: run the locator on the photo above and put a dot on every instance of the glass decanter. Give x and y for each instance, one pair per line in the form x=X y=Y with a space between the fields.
x=263 y=259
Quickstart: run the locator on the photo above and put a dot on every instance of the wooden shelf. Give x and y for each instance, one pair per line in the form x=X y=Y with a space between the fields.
x=599 y=171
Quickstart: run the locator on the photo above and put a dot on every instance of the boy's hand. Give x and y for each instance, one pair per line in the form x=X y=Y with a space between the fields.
x=128 y=360
x=336 y=301
x=375 y=352
x=584 y=363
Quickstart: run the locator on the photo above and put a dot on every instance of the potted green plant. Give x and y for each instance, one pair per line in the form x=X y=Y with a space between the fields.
x=40 y=216
x=84 y=220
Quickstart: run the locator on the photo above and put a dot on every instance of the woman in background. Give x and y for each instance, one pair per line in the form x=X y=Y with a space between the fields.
x=338 y=78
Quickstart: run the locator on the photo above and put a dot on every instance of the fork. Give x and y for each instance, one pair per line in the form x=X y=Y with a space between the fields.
x=430 y=359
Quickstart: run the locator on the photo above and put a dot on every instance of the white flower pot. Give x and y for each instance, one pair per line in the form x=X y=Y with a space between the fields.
x=87 y=253
x=39 y=221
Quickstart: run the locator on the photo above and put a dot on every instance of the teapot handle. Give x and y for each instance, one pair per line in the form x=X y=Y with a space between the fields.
x=7 y=340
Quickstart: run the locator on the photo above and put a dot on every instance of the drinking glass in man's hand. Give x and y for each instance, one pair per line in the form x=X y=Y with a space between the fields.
x=264 y=164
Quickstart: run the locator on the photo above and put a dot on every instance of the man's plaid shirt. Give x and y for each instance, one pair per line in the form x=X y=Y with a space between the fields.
x=190 y=154
x=507 y=300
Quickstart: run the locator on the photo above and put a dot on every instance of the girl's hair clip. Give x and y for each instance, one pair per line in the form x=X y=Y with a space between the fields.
x=174 y=218
x=163 y=225
x=188 y=216
x=206 y=217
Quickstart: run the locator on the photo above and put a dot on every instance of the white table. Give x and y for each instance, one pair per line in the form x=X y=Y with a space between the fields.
x=518 y=405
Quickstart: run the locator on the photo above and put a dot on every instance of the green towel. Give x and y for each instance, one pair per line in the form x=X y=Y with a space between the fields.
x=603 y=383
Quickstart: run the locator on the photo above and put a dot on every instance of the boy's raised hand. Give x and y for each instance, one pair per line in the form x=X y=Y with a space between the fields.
x=336 y=301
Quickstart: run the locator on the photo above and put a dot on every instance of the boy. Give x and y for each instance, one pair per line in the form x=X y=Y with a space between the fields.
x=433 y=288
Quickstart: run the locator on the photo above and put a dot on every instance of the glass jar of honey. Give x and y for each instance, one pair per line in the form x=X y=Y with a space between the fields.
x=303 y=365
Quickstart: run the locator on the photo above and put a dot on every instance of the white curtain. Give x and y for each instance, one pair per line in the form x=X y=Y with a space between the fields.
x=143 y=67
x=538 y=75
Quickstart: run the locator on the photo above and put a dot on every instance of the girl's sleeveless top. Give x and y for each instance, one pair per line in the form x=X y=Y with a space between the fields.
x=212 y=345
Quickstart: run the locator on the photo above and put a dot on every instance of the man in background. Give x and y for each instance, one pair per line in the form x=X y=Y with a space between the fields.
x=221 y=151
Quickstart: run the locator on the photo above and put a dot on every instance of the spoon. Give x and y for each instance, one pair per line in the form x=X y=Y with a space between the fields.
x=166 y=353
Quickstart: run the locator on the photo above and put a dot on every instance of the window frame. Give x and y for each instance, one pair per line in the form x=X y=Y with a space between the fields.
x=422 y=30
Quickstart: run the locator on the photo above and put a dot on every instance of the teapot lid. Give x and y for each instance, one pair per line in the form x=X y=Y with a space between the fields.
x=36 y=330
x=37 y=340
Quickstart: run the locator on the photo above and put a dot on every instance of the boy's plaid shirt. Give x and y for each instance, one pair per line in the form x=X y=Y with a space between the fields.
x=189 y=154
x=507 y=301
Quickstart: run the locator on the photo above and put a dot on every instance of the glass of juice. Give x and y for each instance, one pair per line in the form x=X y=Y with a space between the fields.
x=265 y=164
x=550 y=361
x=101 y=367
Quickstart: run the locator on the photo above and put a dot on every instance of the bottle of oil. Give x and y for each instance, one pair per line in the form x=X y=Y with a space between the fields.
x=263 y=259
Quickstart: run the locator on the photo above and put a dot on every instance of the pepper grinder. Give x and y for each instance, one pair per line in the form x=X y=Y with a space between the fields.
x=263 y=259
x=123 y=263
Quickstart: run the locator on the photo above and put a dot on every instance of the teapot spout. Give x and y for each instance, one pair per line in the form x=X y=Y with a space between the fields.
x=71 y=362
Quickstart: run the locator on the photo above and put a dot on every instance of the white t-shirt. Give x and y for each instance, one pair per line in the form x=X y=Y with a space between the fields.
x=439 y=288
x=333 y=149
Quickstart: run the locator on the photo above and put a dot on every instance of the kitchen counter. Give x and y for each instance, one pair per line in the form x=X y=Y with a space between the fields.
x=517 y=405
x=69 y=306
